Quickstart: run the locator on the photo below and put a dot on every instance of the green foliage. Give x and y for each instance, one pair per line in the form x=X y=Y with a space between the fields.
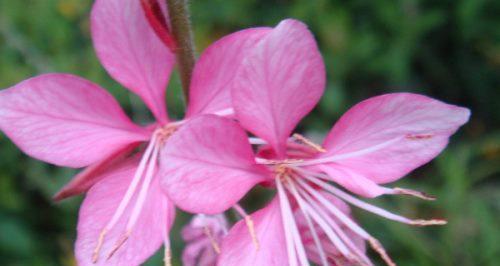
x=447 y=49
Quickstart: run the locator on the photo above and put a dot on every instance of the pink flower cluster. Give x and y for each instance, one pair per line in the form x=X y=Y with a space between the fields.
x=249 y=90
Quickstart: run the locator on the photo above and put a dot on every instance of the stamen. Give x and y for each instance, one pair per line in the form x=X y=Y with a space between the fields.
x=363 y=205
x=168 y=256
x=257 y=141
x=250 y=225
x=118 y=244
x=290 y=247
x=125 y=200
x=308 y=142
x=410 y=192
x=312 y=229
x=100 y=241
x=375 y=244
x=361 y=257
x=327 y=229
x=225 y=112
x=339 y=214
x=333 y=158
x=139 y=203
x=210 y=236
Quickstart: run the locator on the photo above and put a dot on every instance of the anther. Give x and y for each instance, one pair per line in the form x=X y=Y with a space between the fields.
x=251 y=229
x=428 y=222
x=211 y=237
x=167 y=259
x=375 y=244
x=419 y=136
x=118 y=244
x=100 y=241
x=249 y=223
x=309 y=143
x=414 y=193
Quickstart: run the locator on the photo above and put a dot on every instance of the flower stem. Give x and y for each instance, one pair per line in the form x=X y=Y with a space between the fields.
x=181 y=29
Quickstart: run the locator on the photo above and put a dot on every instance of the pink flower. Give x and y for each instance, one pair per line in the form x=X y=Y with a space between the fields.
x=212 y=166
x=71 y=122
x=203 y=236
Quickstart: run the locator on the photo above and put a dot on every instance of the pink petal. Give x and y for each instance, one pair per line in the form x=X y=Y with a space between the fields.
x=216 y=69
x=352 y=180
x=131 y=51
x=93 y=173
x=279 y=83
x=385 y=137
x=65 y=120
x=238 y=248
x=99 y=206
x=208 y=165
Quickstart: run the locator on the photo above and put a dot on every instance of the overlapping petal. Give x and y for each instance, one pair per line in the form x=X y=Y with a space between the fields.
x=385 y=137
x=208 y=165
x=238 y=247
x=93 y=173
x=131 y=51
x=279 y=83
x=216 y=69
x=99 y=206
x=65 y=120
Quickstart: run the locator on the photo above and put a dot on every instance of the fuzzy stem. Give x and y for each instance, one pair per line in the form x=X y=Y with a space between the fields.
x=181 y=29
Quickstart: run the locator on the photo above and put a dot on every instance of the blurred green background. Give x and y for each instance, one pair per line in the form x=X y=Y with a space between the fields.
x=447 y=49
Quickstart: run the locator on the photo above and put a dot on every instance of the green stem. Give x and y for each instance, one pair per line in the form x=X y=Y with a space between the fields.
x=181 y=29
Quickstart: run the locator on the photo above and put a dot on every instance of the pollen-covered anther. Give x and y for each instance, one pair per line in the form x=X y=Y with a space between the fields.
x=211 y=237
x=309 y=142
x=419 y=136
x=414 y=193
x=375 y=244
x=163 y=133
x=428 y=222
x=100 y=241
x=167 y=259
x=118 y=244
x=251 y=229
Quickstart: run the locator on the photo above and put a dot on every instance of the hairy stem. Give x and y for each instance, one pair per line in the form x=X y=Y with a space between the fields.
x=181 y=29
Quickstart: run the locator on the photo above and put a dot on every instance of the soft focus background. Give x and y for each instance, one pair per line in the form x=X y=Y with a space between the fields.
x=448 y=49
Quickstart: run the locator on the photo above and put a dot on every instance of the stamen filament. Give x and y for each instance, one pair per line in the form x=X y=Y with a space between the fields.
x=126 y=198
x=312 y=229
x=225 y=112
x=290 y=247
x=336 y=228
x=294 y=230
x=343 y=217
x=333 y=158
x=308 y=142
x=210 y=236
x=324 y=226
x=363 y=205
x=410 y=192
x=249 y=223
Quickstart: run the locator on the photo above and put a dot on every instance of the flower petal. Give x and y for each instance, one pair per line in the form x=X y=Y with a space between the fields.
x=93 y=173
x=99 y=206
x=238 y=248
x=279 y=83
x=216 y=69
x=131 y=51
x=65 y=120
x=208 y=165
x=385 y=137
